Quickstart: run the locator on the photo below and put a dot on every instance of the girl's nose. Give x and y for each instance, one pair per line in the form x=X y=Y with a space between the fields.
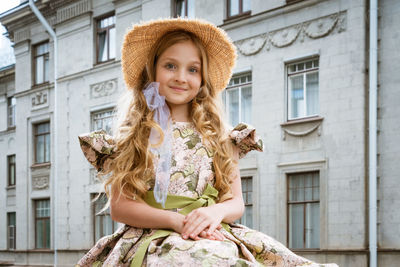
x=180 y=76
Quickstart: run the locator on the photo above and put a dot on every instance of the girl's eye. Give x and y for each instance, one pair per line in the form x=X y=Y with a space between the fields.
x=170 y=66
x=193 y=70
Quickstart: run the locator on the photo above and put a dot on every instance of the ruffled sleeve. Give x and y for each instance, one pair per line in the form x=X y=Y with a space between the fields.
x=245 y=138
x=98 y=148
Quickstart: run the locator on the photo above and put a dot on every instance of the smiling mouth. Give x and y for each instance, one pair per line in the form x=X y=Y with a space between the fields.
x=177 y=89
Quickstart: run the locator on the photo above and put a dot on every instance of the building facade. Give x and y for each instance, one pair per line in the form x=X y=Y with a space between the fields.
x=301 y=79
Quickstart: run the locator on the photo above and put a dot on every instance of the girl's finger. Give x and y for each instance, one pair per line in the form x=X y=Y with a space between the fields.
x=191 y=226
x=199 y=228
x=212 y=228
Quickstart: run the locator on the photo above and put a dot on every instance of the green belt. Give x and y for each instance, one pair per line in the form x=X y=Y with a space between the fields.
x=186 y=204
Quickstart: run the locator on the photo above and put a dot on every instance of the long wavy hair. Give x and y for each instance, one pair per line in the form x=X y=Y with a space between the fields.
x=132 y=169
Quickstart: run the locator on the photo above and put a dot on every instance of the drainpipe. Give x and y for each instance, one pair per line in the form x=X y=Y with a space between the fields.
x=55 y=170
x=373 y=84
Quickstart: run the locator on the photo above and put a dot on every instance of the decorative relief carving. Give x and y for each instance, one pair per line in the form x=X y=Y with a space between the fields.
x=104 y=88
x=302 y=127
x=320 y=27
x=285 y=37
x=40 y=99
x=40 y=182
x=252 y=46
x=22 y=35
x=313 y=29
x=73 y=10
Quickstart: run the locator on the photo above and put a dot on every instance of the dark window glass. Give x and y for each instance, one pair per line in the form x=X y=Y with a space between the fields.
x=11 y=170
x=41 y=63
x=105 y=39
x=11 y=230
x=184 y=8
x=303 y=210
x=42 y=223
x=103 y=225
x=11 y=111
x=42 y=142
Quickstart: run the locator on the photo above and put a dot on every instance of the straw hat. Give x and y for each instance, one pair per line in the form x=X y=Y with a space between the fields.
x=139 y=41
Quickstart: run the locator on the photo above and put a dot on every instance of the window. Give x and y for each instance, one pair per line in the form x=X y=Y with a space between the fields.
x=42 y=223
x=237 y=99
x=303 y=89
x=247 y=191
x=11 y=170
x=303 y=210
x=103 y=225
x=11 y=112
x=184 y=8
x=102 y=120
x=42 y=142
x=105 y=39
x=11 y=230
x=41 y=63
x=238 y=7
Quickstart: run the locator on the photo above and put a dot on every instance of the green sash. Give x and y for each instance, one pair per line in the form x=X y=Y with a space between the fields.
x=186 y=204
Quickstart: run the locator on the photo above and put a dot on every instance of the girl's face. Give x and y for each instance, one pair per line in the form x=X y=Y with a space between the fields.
x=178 y=70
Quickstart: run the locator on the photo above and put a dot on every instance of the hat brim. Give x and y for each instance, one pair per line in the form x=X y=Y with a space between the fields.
x=139 y=41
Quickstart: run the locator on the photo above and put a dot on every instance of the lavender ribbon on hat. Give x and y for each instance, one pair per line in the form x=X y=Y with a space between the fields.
x=157 y=103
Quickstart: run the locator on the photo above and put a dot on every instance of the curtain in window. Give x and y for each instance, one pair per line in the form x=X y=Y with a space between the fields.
x=102 y=46
x=246 y=104
x=233 y=96
x=233 y=7
x=296 y=96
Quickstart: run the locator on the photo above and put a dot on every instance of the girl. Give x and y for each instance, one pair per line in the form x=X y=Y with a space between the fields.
x=174 y=180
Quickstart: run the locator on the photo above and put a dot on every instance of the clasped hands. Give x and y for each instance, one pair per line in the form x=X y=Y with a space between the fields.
x=203 y=222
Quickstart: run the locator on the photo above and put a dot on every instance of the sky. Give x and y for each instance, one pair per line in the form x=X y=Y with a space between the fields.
x=6 y=50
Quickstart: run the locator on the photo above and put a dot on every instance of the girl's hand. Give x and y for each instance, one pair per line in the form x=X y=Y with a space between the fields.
x=202 y=219
x=178 y=224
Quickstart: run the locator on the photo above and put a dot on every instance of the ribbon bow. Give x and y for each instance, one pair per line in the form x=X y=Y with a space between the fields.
x=161 y=116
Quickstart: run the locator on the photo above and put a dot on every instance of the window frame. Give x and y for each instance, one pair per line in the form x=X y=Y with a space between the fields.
x=107 y=212
x=36 y=218
x=35 y=135
x=104 y=110
x=34 y=55
x=304 y=210
x=175 y=11
x=240 y=14
x=247 y=204
x=239 y=87
x=302 y=73
x=9 y=165
x=14 y=243
x=99 y=30
x=11 y=112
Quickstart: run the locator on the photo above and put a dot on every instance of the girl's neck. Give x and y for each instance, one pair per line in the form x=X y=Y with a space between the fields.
x=179 y=113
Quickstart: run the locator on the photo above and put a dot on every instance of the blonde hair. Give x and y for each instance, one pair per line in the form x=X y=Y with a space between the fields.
x=132 y=169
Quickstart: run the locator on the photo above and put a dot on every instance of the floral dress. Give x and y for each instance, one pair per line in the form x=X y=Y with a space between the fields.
x=191 y=172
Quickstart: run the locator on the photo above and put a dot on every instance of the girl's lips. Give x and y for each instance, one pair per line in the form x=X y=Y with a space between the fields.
x=177 y=89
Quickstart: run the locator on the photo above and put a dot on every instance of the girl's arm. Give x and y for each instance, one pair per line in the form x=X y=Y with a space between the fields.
x=209 y=218
x=138 y=213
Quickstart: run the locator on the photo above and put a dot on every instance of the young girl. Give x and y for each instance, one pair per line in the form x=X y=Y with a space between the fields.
x=173 y=165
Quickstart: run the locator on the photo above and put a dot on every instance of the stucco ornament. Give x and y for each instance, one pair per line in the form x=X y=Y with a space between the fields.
x=41 y=182
x=285 y=37
x=105 y=88
x=252 y=45
x=321 y=27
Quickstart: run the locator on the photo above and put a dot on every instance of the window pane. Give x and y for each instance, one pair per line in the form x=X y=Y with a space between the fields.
x=246 y=105
x=47 y=148
x=246 y=5
x=112 y=42
x=180 y=8
x=312 y=93
x=46 y=68
x=190 y=9
x=42 y=128
x=47 y=230
x=312 y=225
x=102 y=47
x=40 y=149
x=249 y=216
x=233 y=7
x=308 y=187
x=12 y=174
x=233 y=96
x=296 y=96
x=39 y=233
x=296 y=225
x=39 y=70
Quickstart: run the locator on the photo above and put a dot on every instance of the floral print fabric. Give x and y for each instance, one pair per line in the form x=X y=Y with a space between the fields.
x=191 y=171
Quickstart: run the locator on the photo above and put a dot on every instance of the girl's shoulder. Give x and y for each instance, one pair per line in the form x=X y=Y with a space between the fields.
x=98 y=148
x=244 y=137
